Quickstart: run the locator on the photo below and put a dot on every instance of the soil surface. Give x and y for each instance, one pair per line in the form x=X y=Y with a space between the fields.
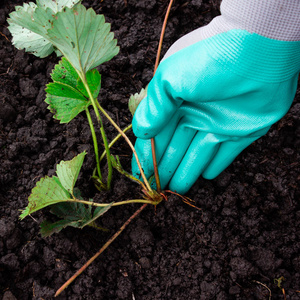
x=242 y=242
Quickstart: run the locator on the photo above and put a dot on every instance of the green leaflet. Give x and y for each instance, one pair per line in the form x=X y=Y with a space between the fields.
x=51 y=190
x=47 y=191
x=93 y=78
x=28 y=26
x=135 y=100
x=29 y=23
x=67 y=96
x=76 y=215
x=68 y=171
x=30 y=41
x=65 y=73
x=56 y=5
x=47 y=228
x=83 y=37
x=61 y=194
x=64 y=102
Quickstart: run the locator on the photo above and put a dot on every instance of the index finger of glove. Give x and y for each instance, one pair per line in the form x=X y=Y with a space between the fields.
x=144 y=151
x=156 y=109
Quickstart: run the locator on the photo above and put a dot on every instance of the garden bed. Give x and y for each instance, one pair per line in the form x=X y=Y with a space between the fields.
x=245 y=238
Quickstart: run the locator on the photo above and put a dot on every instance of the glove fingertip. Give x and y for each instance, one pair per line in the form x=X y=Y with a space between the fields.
x=141 y=128
x=146 y=120
x=180 y=188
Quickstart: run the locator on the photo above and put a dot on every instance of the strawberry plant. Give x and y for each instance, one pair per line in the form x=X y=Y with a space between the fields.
x=84 y=41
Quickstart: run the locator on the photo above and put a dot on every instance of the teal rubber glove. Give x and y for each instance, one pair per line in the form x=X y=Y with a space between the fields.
x=210 y=100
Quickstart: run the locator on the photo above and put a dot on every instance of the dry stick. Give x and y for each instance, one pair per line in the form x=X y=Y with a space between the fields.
x=67 y=283
x=155 y=67
x=4 y=36
x=270 y=293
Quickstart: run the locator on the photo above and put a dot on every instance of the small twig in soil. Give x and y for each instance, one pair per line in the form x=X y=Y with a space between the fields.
x=67 y=283
x=265 y=286
x=4 y=36
x=8 y=69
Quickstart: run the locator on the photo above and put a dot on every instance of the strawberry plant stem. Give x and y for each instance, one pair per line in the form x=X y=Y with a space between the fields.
x=95 y=103
x=91 y=260
x=115 y=140
x=110 y=168
x=129 y=143
x=156 y=175
x=95 y=143
x=117 y=165
x=115 y=203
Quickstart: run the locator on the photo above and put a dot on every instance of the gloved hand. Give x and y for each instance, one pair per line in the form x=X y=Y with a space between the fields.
x=218 y=89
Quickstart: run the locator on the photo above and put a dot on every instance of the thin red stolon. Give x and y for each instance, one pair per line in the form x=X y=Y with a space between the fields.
x=158 y=186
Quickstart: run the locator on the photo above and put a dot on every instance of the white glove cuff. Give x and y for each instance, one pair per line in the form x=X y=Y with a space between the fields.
x=274 y=19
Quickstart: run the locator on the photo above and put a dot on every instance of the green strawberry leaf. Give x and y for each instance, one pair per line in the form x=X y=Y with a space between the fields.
x=93 y=78
x=47 y=191
x=67 y=96
x=64 y=73
x=76 y=215
x=47 y=228
x=83 y=37
x=29 y=23
x=65 y=102
x=30 y=41
x=68 y=171
x=56 y=5
x=52 y=190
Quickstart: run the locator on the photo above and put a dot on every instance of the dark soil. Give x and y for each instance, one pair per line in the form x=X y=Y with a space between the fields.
x=246 y=236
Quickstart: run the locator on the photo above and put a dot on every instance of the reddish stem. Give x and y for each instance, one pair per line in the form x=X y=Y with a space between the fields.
x=158 y=187
x=163 y=29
